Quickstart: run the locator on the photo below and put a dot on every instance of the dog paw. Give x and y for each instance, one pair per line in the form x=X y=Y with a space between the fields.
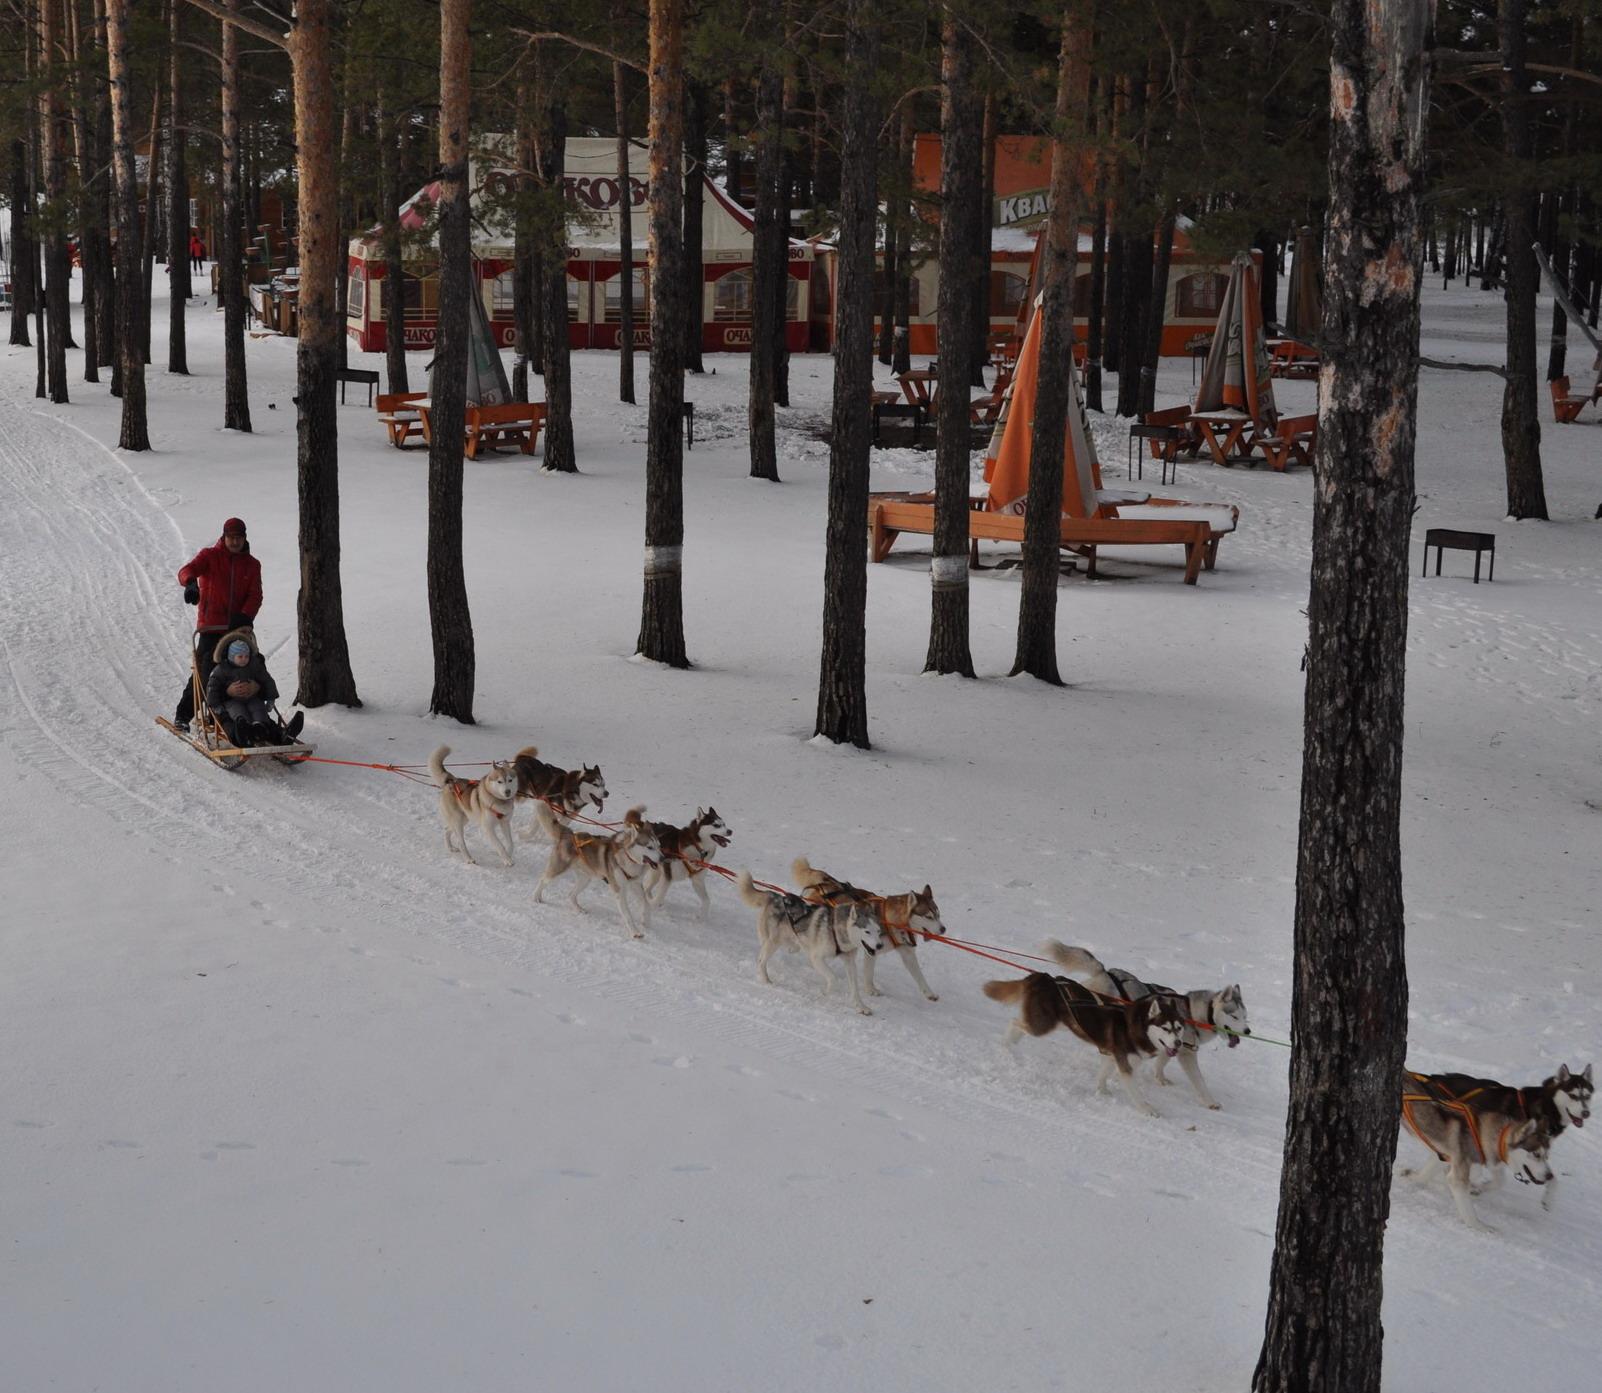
x=1215 y=1107
x=874 y=991
x=930 y=996
x=863 y=1011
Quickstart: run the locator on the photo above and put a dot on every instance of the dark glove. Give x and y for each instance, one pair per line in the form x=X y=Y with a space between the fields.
x=241 y=621
x=192 y=593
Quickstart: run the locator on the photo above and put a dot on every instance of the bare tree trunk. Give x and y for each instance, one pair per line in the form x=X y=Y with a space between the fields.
x=733 y=164
x=1042 y=548
x=22 y=257
x=781 y=283
x=695 y=100
x=1521 y=424
x=842 y=675
x=103 y=193
x=178 y=283
x=1157 y=308
x=560 y=454
x=625 y=273
x=58 y=266
x=662 y=606
x=1349 y=1004
x=134 y=433
x=88 y=165
x=394 y=285
x=450 y=621
x=230 y=248
x=979 y=354
x=961 y=173
x=767 y=249
x=325 y=674
x=889 y=276
x=155 y=179
x=524 y=340
x=901 y=305
x=1098 y=287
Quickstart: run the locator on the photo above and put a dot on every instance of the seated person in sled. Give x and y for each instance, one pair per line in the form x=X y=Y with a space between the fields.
x=240 y=692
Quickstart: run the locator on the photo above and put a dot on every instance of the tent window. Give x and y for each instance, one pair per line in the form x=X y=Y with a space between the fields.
x=1200 y=296
x=614 y=299
x=503 y=300
x=1007 y=293
x=420 y=294
x=731 y=298
x=356 y=294
x=572 y=300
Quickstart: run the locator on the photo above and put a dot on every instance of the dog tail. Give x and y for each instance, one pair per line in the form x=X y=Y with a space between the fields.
x=635 y=817
x=1037 y=998
x=1010 y=989
x=748 y=891
x=803 y=872
x=527 y=752
x=1080 y=960
x=436 y=765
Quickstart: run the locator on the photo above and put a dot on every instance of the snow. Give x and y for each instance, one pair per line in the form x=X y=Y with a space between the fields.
x=296 y=1100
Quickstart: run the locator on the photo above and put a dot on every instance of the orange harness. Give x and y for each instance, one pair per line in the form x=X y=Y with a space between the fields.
x=463 y=789
x=1436 y=1094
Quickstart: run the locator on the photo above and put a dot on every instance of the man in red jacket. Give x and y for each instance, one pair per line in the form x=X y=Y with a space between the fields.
x=225 y=581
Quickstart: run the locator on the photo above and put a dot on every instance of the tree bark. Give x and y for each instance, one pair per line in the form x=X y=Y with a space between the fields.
x=1349 y=1003
x=961 y=173
x=889 y=272
x=625 y=331
x=1157 y=308
x=781 y=284
x=1098 y=286
x=695 y=101
x=1521 y=424
x=103 y=195
x=662 y=605
x=767 y=250
x=901 y=307
x=231 y=250
x=842 y=676
x=525 y=339
x=155 y=181
x=560 y=455
x=134 y=433
x=88 y=167
x=22 y=257
x=179 y=286
x=393 y=295
x=450 y=622
x=1037 y=603
x=979 y=338
x=58 y=265
x=325 y=674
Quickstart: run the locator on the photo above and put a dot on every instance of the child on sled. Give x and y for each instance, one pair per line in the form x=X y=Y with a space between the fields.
x=240 y=693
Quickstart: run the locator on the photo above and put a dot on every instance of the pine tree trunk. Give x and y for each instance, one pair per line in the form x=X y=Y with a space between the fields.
x=1349 y=1004
x=901 y=354
x=842 y=675
x=103 y=198
x=1113 y=310
x=325 y=674
x=662 y=606
x=88 y=167
x=560 y=456
x=155 y=185
x=979 y=353
x=393 y=292
x=887 y=280
x=961 y=176
x=733 y=163
x=1157 y=310
x=524 y=339
x=625 y=331
x=1521 y=425
x=1098 y=287
x=450 y=621
x=134 y=433
x=1268 y=289
x=179 y=285
x=781 y=283
x=22 y=258
x=231 y=250
x=1132 y=331
x=767 y=250
x=58 y=265
x=695 y=101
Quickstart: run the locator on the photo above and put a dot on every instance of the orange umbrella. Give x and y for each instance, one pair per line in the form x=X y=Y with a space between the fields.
x=1236 y=376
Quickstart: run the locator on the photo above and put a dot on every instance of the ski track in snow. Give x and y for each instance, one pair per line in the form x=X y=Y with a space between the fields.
x=86 y=554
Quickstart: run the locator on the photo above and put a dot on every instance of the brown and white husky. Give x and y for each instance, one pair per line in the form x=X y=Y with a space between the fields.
x=487 y=801
x=821 y=931
x=904 y=919
x=1124 y=1031
x=683 y=851
x=621 y=861
x=555 y=791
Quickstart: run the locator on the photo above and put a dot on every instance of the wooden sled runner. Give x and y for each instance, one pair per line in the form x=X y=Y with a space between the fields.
x=206 y=733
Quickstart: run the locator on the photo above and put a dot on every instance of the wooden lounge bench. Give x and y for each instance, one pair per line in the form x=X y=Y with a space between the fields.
x=1177 y=417
x=362 y=377
x=1567 y=405
x=889 y=516
x=1289 y=359
x=399 y=416
x=512 y=423
x=1292 y=439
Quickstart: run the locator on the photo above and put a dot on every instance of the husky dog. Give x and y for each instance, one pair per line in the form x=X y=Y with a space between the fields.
x=1223 y=1009
x=621 y=861
x=554 y=790
x=1563 y=1100
x=1124 y=1031
x=903 y=919
x=488 y=801
x=821 y=931
x=683 y=850
x=1474 y=1126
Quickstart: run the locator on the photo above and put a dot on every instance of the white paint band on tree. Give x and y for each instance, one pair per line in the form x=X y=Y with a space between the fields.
x=949 y=570
x=663 y=561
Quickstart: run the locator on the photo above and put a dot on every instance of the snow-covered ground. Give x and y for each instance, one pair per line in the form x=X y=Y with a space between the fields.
x=294 y=1100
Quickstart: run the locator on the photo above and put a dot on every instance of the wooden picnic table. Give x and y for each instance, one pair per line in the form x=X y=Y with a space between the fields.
x=920 y=387
x=489 y=427
x=1231 y=426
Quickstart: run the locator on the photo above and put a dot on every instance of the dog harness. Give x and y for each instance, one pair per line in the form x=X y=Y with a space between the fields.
x=795 y=911
x=463 y=789
x=1432 y=1090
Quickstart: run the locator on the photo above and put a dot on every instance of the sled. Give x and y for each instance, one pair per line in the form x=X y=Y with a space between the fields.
x=206 y=733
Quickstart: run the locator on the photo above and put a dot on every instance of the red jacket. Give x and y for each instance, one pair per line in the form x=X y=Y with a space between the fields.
x=229 y=585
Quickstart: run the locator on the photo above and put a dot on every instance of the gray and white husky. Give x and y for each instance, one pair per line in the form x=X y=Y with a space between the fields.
x=821 y=931
x=487 y=801
x=905 y=919
x=1468 y=1122
x=621 y=861
x=1221 y=1009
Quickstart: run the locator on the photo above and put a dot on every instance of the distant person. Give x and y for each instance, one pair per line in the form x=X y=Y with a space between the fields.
x=224 y=580
x=197 y=252
x=240 y=692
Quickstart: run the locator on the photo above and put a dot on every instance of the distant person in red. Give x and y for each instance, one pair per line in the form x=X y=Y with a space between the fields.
x=197 y=252
x=225 y=581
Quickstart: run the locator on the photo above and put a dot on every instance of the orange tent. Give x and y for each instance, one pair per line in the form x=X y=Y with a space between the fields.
x=1236 y=377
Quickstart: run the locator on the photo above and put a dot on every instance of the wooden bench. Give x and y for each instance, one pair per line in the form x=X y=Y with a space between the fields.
x=399 y=416
x=1567 y=405
x=1292 y=439
x=489 y=427
x=1458 y=540
x=889 y=516
x=363 y=377
x=1289 y=359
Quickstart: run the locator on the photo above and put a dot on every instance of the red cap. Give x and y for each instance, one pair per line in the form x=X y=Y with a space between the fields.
x=233 y=528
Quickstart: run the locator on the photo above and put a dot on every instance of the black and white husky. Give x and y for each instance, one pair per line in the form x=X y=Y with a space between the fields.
x=487 y=801
x=1221 y=1009
x=821 y=931
x=685 y=850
